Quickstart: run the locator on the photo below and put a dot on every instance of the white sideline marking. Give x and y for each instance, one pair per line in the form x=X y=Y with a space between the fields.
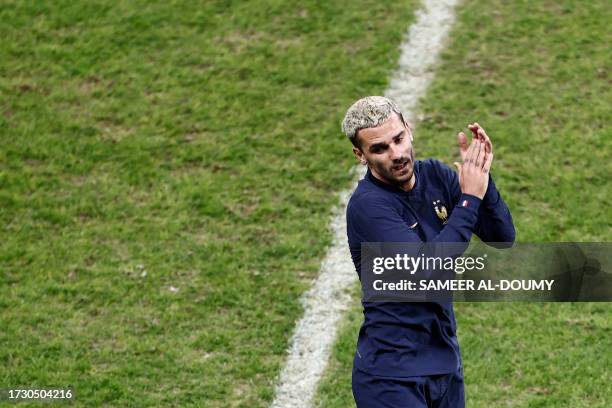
x=325 y=303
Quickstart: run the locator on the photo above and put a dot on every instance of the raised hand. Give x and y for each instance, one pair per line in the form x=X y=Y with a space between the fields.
x=477 y=159
x=478 y=133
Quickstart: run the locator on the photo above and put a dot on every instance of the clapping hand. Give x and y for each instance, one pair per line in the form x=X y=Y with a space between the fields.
x=476 y=161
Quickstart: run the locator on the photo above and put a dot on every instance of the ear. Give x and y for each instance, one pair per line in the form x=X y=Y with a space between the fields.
x=409 y=129
x=359 y=155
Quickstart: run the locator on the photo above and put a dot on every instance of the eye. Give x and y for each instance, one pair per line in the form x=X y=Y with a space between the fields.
x=377 y=149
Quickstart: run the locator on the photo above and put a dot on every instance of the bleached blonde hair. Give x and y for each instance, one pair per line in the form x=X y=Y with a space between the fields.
x=368 y=112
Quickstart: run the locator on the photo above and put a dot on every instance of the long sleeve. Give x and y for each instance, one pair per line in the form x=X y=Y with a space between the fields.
x=494 y=225
x=494 y=219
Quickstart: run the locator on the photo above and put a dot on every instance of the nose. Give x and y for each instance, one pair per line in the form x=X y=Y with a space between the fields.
x=395 y=153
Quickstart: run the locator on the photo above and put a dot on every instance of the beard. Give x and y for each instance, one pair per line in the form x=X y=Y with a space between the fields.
x=399 y=173
x=402 y=169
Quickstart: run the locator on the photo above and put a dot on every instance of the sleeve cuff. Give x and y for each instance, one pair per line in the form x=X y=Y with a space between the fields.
x=491 y=197
x=465 y=215
x=469 y=202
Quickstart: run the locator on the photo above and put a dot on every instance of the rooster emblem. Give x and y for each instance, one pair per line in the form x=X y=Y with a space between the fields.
x=441 y=211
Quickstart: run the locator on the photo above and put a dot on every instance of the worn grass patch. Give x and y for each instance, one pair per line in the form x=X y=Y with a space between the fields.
x=536 y=76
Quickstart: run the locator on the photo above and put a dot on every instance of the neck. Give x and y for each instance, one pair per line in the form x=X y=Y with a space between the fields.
x=409 y=185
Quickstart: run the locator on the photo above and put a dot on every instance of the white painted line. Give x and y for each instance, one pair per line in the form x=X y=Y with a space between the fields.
x=425 y=40
x=325 y=303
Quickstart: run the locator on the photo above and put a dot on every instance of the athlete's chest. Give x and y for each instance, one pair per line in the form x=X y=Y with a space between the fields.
x=425 y=212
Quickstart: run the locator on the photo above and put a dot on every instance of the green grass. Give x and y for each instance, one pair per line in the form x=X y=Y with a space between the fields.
x=167 y=172
x=536 y=76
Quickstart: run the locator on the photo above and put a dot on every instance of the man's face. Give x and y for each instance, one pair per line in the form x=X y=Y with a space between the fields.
x=387 y=149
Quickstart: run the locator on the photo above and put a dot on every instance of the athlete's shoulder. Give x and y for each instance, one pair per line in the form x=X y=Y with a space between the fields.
x=435 y=168
x=432 y=164
x=366 y=196
x=370 y=198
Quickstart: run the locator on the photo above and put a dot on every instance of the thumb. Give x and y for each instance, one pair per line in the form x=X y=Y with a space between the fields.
x=458 y=166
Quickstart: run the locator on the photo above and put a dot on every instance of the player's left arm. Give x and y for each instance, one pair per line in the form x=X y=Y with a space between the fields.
x=494 y=219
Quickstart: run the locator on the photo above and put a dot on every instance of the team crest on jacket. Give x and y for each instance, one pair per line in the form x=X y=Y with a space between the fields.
x=441 y=211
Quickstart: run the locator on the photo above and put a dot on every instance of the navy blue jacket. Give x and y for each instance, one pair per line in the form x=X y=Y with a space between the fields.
x=415 y=339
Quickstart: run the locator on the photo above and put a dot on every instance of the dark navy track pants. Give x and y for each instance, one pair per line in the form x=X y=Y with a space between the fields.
x=439 y=391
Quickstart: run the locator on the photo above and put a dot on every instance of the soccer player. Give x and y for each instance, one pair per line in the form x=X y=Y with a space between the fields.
x=407 y=353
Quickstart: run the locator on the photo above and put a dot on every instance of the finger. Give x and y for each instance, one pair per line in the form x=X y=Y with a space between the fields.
x=474 y=129
x=482 y=134
x=470 y=153
x=483 y=137
x=463 y=144
x=487 y=164
x=483 y=140
x=458 y=166
x=473 y=152
x=479 y=160
x=486 y=140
